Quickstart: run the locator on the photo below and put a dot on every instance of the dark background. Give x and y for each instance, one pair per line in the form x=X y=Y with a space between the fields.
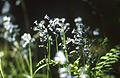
x=103 y=14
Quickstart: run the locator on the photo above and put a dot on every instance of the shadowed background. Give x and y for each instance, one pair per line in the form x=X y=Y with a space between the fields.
x=103 y=14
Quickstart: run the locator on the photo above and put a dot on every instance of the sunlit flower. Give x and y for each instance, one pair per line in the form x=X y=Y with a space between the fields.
x=60 y=57
x=63 y=75
x=84 y=76
x=5 y=18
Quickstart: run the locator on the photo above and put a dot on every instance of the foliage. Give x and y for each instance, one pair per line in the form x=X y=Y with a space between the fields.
x=105 y=66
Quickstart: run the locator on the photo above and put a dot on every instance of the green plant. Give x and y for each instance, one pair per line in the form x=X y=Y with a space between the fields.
x=105 y=65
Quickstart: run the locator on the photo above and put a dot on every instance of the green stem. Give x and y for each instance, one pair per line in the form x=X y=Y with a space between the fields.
x=26 y=59
x=30 y=58
x=56 y=42
x=18 y=64
x=1 y=69
x=64 y=43
x=48 y=67
x=66 y=54
x=22 y=63
x=45 y=55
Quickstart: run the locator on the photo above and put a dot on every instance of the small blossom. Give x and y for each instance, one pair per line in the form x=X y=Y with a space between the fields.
x=5 y=18
x=60 y=57
x=84 y=76
x=96 y=32
x=63 y=20
x=86 y=50
x=15 y=43
x=27 y=38
x=6 y=7
x=18 y=2
x=35 y=22
x=78 y=19
x=117 y=53
x=41 y=45
x=46 y=17
x=7 y=25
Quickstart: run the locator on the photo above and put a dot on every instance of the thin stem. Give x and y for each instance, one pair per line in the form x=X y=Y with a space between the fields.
x=22 y=63
x=56 y=42
x=26 y=59
x=64 y=43
x=1 y=69
x=48 y=67
x=30 y=58
x=45 y=55
x=18 y=64
x=66 y=54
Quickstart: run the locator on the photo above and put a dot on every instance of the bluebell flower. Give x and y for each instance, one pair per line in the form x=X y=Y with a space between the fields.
x=117 y=53
x=78 y=19
x=27 y=39
x=60 y=57
x=6 y=7
x=46 y=17
x=96 y=32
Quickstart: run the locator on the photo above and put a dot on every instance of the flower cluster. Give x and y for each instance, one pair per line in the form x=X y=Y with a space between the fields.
x=9 y=31
x=55 y=26
x=27 y=39
x=80 y=37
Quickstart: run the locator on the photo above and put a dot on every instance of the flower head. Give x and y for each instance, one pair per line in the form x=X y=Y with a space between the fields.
x=27 y=39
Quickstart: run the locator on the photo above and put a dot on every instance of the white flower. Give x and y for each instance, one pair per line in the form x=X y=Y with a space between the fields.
x=46 y=17
x=5 y=18
x=78 y=19
x=64 y=75
x=96 y=32
x=27 y=39
x=6 y=7
x=35 y=22
x=7 y=25
x=84 y=76
x=62 y=70
x=60 y=57
x=63 y=20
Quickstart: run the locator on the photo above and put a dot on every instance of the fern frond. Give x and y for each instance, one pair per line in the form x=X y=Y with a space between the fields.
x=106 y=62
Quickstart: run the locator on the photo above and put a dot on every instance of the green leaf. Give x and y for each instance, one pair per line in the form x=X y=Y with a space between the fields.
x=109 y=54
x=111 y=62
x=113 y=50
x=115 y=56
x=98 y=67
x=107 y=65
x=104 y=57
x=112 y=59
x=103 y=62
